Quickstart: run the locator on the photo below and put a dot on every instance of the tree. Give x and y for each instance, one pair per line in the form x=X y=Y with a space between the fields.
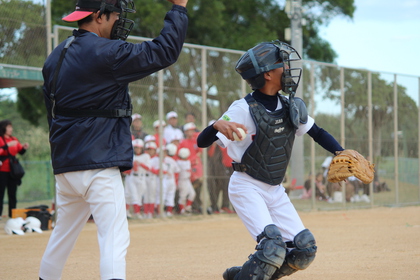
x=30 y=107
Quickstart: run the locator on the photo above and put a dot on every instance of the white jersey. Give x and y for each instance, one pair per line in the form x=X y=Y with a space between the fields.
x=185 y=169
x=239 y=112
x=144 y=159
x=154 y=164
x=171 y=133
x=151 y=181
x=171 y=167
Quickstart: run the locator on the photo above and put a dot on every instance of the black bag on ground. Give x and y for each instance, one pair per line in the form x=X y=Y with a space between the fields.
x=16 y=169
x=43 y=215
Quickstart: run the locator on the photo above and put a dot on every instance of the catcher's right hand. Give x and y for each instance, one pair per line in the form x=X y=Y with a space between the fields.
x=349 y=163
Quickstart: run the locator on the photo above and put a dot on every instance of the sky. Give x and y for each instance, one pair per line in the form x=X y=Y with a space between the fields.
x=383 y=36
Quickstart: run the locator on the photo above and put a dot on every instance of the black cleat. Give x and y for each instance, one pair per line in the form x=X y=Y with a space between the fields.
x=230 y=273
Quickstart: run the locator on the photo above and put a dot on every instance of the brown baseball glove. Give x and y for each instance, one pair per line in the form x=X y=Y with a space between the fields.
x=349 y=163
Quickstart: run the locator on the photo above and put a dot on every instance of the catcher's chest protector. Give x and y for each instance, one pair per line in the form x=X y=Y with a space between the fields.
x=266 y=159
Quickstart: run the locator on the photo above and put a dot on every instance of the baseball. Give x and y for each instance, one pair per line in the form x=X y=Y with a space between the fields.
x=242 y=132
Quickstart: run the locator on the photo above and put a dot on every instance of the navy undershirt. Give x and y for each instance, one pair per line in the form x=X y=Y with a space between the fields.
x=268 y=101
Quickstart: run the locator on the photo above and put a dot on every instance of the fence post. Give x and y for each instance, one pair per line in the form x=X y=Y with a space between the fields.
x=161 y=150
x=312 y=113
x=418 y=140
x=370 y=130
x=396 y=175
x=204 y=187
x=342 y=127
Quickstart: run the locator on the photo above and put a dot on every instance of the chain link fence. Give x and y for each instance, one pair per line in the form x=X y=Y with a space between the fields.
x=374 y=113
x=23 y=33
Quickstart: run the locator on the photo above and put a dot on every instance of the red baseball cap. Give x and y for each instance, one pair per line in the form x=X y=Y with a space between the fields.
x=85 y=8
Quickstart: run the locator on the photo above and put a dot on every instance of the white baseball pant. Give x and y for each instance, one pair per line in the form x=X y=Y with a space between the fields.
x=259 y=204
x=79 y=194
x=186 y=190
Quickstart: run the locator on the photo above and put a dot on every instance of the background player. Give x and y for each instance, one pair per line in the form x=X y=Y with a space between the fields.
x=151 y=179
x=136 y=180
x=171 y=170
x=271 y=121
x=190 y=142
x=89 y=114
x=185 y=187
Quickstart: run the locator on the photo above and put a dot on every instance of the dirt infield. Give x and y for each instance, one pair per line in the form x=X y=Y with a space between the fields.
x=380 y=243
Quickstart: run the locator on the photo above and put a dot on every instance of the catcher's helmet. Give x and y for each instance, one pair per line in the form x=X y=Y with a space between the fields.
x=14 y=226
x=33 y=224
x=184 y=153
x=171 y=149
x=265 y=57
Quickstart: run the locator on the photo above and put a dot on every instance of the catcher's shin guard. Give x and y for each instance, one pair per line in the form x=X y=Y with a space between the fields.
x=268 y=257
x=300 y=257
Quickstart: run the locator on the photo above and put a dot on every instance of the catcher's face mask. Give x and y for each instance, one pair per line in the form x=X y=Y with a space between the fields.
x=291 y=76
x=123 y=26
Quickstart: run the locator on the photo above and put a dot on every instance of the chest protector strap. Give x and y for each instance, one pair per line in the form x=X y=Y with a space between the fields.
x=267 y=157
x=67 y=112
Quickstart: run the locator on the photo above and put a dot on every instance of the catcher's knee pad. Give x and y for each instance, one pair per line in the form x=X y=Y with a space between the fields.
x=269 y=256
x=300 y=257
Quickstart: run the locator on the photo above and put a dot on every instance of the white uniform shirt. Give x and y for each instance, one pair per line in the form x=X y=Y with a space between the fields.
x=154 y=164
x=170 y=133
x=144 y=159
x=171 y=167
x=185 y=169
x=239 y=112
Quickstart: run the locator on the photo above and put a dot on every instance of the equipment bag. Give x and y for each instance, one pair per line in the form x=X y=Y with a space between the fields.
x=43 y=216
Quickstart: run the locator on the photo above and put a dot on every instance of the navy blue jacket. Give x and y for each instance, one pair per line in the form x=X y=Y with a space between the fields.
x=94 y=75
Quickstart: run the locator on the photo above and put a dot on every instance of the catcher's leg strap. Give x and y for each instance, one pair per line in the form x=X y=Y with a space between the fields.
x=268 y=257
x=300 y=257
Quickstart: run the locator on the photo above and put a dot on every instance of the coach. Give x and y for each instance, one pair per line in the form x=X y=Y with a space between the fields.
x=89 y=115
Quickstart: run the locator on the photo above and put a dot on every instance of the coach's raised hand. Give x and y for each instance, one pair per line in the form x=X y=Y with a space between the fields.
x=179 y=2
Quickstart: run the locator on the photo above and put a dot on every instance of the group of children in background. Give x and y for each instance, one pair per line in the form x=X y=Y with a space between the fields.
x=180 y=156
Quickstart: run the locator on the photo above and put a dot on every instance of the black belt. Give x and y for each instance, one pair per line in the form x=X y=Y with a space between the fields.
x=110 y=113
x=239 y=167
